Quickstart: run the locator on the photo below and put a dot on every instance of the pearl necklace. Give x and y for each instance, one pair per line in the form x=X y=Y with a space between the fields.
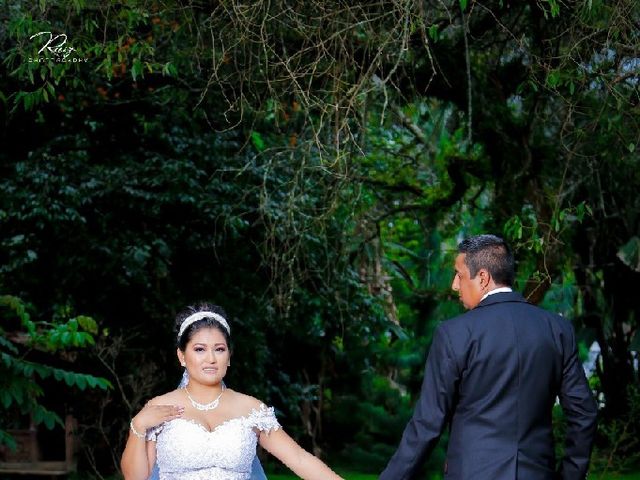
x=205 y=406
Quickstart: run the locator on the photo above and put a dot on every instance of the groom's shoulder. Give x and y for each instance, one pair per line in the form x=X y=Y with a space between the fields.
x=510 y=303
x=465 y=317
x=460 y=322
x=487 y=308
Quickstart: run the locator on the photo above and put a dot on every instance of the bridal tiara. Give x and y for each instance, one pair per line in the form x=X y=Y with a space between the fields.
x=199 y=316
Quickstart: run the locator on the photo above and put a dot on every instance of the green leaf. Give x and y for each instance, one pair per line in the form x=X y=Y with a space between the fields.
x=136 y=69
x=463 y=5
x=49 y=421
x=555 y=8
x=103 y=383
x=81 y=381
x=581 y=210
x=553 y=79
x=5 y=398
x=72 y=325
x=8 y=345
x=68 y=378
x=433 y=32
x=88 y=324
x=257 y=141
x=14 y=303
x=629 y=254
x=8 y=440
x=38 y=414
x=589 y=210
x=18 y=392
x=47 y=417
x=6 y=359
x=43 y=371
x=513 y=228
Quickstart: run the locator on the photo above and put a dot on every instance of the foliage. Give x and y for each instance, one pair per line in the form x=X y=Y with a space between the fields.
x=620 y=453
x=311 y=168
x=21 y=390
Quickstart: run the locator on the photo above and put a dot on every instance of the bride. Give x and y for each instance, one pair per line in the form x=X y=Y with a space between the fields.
x=203 y=430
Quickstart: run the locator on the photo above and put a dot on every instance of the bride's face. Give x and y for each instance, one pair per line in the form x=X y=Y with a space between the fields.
x=206 y=356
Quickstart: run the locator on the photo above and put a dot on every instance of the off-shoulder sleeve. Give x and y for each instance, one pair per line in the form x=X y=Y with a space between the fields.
x=152 y=433
x=264 y=419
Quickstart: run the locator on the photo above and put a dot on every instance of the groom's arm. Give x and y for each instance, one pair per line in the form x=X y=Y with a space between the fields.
x=431 y=411
x=580 y=411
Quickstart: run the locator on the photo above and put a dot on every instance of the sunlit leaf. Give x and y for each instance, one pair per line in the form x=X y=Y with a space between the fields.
x=629 y=253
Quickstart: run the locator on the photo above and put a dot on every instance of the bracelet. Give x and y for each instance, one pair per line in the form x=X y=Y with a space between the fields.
x=134 y=431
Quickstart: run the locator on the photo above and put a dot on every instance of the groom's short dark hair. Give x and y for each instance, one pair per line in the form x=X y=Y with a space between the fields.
x=491 y=253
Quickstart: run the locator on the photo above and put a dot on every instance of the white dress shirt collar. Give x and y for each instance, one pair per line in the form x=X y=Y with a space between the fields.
x=497 y=290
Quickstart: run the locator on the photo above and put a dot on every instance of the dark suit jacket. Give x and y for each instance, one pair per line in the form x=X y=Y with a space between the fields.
x=493 y=374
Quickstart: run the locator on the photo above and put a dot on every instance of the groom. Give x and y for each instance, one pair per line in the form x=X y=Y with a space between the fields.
x=493 y=375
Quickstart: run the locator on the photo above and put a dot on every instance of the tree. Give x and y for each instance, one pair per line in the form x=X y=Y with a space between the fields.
x=303 y=155
x=21 y=393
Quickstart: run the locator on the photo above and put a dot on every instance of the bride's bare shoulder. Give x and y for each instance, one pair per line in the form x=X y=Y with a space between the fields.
x=175 y=397
x=244 y=403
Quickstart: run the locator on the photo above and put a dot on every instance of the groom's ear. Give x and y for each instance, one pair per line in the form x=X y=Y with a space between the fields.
x=485 y=277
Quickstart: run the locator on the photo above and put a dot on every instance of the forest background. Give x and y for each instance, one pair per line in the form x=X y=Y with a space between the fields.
x=310 y=166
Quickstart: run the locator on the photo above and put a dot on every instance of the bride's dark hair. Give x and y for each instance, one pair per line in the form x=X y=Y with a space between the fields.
x=199 y=324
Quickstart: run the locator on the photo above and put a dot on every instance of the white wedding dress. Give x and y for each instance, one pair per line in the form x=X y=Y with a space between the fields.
x=186 y=450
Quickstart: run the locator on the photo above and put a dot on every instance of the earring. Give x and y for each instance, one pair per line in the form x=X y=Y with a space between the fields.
x=183 y=364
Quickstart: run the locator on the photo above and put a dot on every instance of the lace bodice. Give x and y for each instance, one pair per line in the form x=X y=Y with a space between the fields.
x=186 y=450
